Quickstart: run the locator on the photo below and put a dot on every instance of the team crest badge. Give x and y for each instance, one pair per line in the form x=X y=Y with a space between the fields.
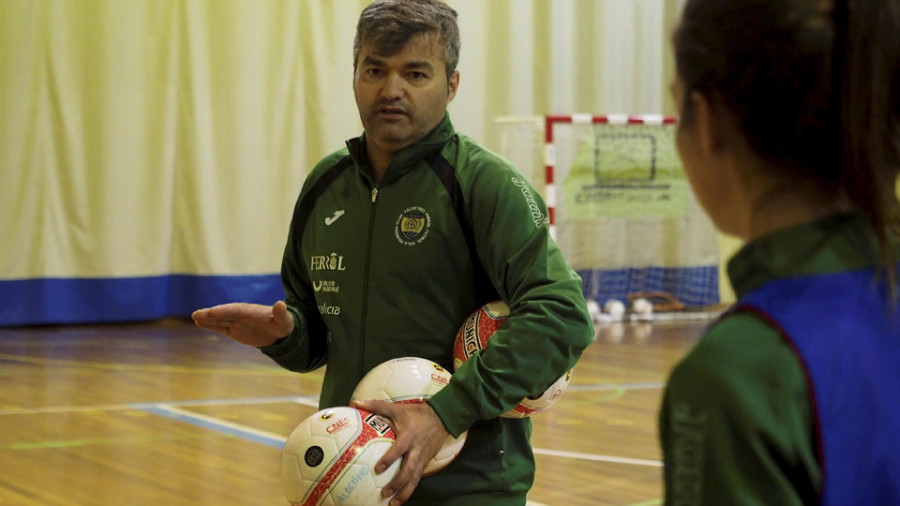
x=412 y=226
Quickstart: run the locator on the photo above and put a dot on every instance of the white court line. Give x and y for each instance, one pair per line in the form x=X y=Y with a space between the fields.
x=277 y=440
x=172 y=410
x=615 y=386
x=598 y=458
x=274 y=439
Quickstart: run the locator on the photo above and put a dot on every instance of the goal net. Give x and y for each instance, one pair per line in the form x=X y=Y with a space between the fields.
x=620 y=207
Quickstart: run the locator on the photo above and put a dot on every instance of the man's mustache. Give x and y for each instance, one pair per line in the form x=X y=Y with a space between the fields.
x=391 y=107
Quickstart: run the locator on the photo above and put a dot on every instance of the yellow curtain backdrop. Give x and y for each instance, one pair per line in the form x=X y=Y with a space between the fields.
x=151 y=150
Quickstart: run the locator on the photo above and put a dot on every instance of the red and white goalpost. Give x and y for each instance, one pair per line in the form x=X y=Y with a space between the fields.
x=619 y=206
x=550 y=123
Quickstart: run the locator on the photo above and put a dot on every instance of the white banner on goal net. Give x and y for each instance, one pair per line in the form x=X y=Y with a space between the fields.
x=621 y=209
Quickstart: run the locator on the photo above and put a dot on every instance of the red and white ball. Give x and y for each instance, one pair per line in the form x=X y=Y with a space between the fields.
x=410 y=379
x=474 y=336
x=406 y=379
x=329 y=459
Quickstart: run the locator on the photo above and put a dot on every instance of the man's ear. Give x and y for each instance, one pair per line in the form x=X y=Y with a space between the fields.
x=710 y=123
x=452 y=85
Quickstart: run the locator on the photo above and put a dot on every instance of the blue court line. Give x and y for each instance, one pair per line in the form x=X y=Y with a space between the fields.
x=205 y=422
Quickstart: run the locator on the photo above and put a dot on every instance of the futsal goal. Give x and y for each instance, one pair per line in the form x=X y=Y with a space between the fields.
x=620 y=207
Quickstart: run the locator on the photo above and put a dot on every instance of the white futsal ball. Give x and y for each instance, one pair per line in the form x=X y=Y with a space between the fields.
x=615 y=309
x=594 y=309
x=402 y=380
x=474 y=336
x=642 y=307
x=410 y=379
x=329 y=459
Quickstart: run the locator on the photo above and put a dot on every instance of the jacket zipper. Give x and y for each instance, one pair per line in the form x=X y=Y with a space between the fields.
x=365 y=302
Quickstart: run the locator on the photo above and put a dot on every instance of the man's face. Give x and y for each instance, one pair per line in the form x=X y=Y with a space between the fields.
x=403 y=96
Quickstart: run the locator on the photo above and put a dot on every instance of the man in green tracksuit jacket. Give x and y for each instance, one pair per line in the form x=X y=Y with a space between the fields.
x=395 y=240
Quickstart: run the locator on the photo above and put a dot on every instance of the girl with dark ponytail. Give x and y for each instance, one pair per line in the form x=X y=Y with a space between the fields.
x=789 y=133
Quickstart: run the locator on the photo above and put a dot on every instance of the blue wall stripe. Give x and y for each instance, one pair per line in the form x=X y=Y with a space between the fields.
x=45 y=301
x=52 y=301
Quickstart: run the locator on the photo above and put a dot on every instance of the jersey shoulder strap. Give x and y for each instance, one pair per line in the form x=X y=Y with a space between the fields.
x=446 y=173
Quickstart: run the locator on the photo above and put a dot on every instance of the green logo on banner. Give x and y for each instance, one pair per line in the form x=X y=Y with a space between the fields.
x=626 y=171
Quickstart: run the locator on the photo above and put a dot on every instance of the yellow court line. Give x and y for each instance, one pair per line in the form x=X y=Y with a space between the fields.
x=69 y=443
x=255 y=371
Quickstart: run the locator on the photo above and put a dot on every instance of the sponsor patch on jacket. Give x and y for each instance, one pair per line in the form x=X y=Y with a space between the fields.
x=332 y=262
x=412 y=226
x=326 y=286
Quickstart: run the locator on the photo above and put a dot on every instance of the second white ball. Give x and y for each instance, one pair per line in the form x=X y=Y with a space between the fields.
x=642 y=306
x=614 y=308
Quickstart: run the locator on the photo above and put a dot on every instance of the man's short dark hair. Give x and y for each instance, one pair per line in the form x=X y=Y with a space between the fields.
x=389 y=25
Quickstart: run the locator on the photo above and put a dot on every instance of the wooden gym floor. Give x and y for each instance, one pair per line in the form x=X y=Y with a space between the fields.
x=164 y=413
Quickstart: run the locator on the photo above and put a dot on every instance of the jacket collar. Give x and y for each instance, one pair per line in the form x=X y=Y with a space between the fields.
x=829 y=245
x=407 y=158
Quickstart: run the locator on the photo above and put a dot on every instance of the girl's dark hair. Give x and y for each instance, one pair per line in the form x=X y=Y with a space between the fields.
x=815 y=87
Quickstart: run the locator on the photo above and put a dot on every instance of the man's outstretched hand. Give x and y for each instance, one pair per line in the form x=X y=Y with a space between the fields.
x=420 y=435
x=252 y=324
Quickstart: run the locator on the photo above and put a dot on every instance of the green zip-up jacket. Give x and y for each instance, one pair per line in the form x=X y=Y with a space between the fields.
x=737 y=424
x=375 y=272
